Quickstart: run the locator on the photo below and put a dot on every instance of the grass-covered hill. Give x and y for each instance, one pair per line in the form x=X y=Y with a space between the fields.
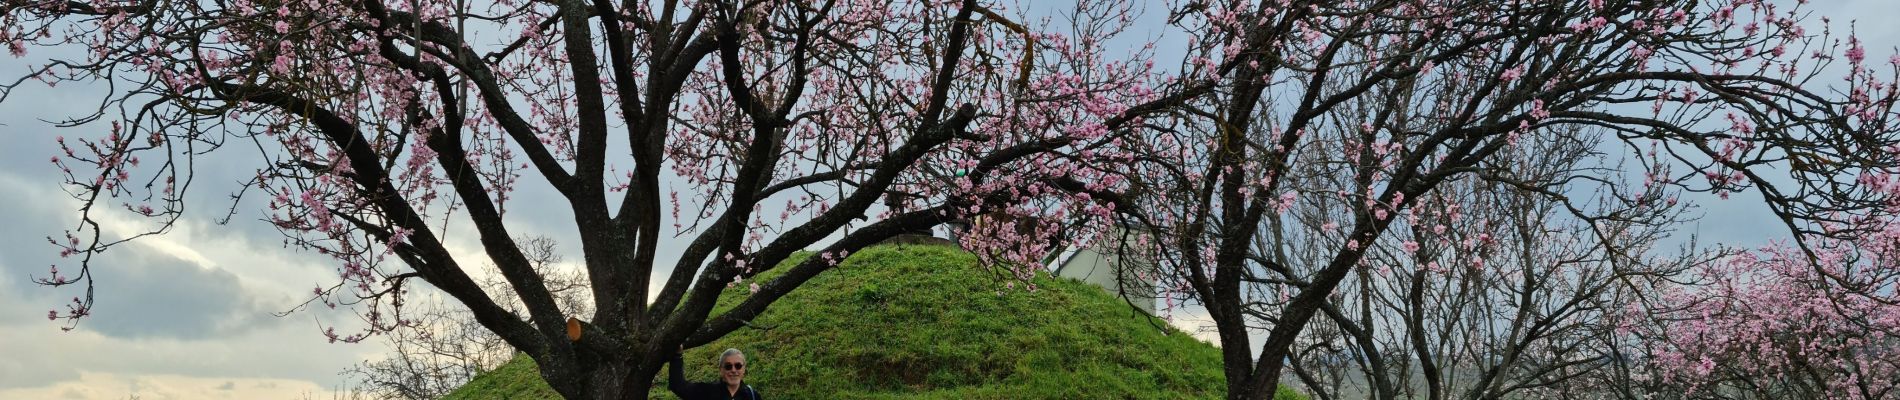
x=925 y=322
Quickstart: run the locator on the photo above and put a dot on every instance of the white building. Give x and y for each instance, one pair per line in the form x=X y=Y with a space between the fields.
x=1100 y=265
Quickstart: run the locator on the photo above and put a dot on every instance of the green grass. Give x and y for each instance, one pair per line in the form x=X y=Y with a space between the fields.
x=925 y=322
x=516 y=379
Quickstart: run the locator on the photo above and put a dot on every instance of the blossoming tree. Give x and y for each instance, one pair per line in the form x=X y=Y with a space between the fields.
x=754 y=129
x=1371 y=107
x=1776 y=323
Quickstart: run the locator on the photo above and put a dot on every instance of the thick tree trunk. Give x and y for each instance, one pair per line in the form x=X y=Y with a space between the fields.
x=608 y=381
x=639 y=382
x=612 y=381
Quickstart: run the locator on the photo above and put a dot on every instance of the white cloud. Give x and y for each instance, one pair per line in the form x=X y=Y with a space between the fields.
x=41 y=356
x=194 y=303
x=109 y=386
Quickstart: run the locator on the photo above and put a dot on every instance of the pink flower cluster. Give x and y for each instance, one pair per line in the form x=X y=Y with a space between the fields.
x=1774 y=320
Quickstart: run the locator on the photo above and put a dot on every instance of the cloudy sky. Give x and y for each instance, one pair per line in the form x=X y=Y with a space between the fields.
x=189 y=315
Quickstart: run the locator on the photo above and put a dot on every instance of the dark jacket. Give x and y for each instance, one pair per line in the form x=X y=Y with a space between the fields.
x=715 y=390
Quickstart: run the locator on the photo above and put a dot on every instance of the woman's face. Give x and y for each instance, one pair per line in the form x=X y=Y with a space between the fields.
x=732 y=370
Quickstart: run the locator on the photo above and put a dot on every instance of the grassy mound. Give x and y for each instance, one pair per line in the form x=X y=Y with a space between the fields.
x=925 y=322
x=516 y=379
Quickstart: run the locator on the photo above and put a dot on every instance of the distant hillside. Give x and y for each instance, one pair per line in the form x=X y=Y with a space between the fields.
x=925 y=322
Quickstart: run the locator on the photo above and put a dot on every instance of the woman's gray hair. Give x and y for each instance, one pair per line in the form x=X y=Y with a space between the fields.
x=728 y=353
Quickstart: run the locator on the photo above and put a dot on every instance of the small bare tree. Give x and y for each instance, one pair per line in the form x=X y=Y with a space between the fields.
x=1490 y=291
x=448 y=346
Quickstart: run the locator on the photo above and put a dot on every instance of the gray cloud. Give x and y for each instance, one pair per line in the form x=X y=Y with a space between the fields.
x=21 y=374
x=141 y=292
x=161 y=296
x=30 y=216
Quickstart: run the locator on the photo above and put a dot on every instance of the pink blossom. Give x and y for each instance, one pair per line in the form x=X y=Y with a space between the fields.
x=1512 y=74
x=1855 y=53
x=1641 y=52
x=398 y=235
x=281 y=64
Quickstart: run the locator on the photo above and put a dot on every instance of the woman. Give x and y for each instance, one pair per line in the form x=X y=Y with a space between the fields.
x=731 y=384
